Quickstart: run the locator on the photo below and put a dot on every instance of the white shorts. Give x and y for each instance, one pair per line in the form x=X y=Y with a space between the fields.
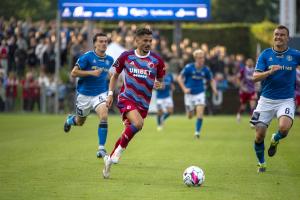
x=164 y=104
x=193 y=100
x=266 y=109
x=84 y=104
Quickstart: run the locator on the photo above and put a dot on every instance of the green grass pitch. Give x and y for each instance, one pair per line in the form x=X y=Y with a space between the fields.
x=39 y=161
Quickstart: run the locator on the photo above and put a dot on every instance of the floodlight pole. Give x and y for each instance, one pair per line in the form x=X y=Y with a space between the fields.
x=90 y=34
x=57 y=59
x=177 y=35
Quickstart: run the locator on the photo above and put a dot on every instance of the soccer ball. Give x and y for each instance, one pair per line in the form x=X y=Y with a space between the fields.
x=193 y=176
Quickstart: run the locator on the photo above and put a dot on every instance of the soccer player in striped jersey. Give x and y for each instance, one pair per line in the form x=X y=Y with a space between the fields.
x=92 y=71
x=143 y=71
x=192 y=81
x=276 y=69
x=247 y=91
x=164 y=99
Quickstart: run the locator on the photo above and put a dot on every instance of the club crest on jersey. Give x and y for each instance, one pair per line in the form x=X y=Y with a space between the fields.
x=150 y=64
x=270 y=59
x=94 y=61
x=107 y=62
x=289 y=58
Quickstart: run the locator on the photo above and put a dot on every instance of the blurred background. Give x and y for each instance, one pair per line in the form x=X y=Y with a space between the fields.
x=41 y=41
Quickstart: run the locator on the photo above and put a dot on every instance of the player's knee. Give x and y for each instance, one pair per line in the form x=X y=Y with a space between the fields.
x=261 y=126
x=259 y=137
x=159 y=112
x=261 y=129
x=79 y=123
x=139 y=125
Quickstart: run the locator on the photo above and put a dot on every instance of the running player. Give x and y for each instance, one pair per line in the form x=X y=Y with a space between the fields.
x=143 y=71
x=164 y=100
x=247 y=91
x=192 y=81
x=92 y=69
x=276 y=69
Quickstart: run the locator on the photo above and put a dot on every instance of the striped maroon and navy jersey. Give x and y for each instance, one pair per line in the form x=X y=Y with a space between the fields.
x=247 y=84
x=140 y=73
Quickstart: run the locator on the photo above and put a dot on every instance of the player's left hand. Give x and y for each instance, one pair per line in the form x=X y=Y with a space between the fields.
x=109 y=101
x=158 y=85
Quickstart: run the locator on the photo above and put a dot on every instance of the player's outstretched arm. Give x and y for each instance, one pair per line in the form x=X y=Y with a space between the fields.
x=112 y=85
x=181 y=84
x=258 y=76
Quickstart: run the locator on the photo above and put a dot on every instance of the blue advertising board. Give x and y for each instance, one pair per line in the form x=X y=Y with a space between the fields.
x=157 y=10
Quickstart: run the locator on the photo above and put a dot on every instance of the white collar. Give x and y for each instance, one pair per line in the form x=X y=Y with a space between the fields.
x=136 y=53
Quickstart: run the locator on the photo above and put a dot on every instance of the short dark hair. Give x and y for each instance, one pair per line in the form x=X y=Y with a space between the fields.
x=283 y=27
x=143 y=31
x=98 y=35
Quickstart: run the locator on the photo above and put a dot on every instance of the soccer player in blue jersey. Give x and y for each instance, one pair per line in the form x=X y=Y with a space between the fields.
x=276 y=69
x=92 y=71
x=164 y=100
x=192 y=81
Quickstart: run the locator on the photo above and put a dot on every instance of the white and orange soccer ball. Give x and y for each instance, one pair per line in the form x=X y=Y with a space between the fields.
x=193 y=176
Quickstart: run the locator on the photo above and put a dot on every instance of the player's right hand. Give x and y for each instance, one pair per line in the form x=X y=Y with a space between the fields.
x=109 y=101
x=97 y=72
x=274 y=68
x=186 y=91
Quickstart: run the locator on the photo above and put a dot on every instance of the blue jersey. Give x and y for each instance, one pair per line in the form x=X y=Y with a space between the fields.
x=91 y=85
x=194 y=78
x=281 y=84
x=167 y=90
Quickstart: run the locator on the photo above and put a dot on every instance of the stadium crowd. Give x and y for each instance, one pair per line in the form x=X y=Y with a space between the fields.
x=27 y=60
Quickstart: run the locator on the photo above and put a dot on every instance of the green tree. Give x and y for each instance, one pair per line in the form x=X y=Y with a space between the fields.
x=245 y=11
x=35 y=9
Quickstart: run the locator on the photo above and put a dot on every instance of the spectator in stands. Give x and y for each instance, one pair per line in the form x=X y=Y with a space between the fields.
x=12 y=84
x=2 y=92
x=4 y=56
x=27 y=91
x=32 y=59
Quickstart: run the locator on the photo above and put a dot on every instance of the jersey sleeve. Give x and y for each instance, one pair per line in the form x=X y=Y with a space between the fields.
x=172 y=79
x=208 y=74
x=120 y=63
x=261 y=65
x=298 y=57
x=241 y=74
x=184 y=71
x=82 y=62
x=161 y=69
x=111 y=62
